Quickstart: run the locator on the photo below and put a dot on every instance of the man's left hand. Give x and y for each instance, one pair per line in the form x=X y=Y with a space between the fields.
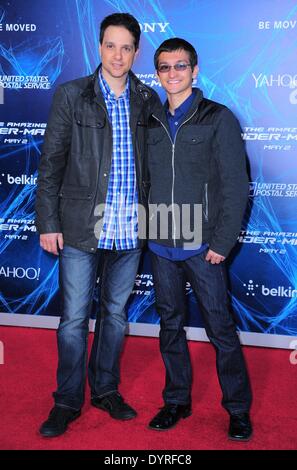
x=214 y=258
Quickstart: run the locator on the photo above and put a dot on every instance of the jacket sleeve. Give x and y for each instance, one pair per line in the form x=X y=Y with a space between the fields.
x=234 y=183
x=52 y=163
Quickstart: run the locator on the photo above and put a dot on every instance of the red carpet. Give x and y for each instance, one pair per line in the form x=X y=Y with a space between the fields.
x=28 y=378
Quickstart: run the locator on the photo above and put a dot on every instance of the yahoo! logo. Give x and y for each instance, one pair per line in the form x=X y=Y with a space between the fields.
x=20 y=273
x=284 y=80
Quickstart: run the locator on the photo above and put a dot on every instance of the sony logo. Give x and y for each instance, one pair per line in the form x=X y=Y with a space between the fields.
x=153 y=27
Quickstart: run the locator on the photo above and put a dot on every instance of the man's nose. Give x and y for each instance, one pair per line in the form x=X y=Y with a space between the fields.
x=118 y=53
x=172 y=72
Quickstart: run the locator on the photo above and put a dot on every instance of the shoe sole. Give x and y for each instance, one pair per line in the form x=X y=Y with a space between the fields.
x=171 y=427
x=44 y=434
x=126 y=418
x=238 y=439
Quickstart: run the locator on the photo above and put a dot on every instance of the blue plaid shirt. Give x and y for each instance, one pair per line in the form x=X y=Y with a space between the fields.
x=120 y=226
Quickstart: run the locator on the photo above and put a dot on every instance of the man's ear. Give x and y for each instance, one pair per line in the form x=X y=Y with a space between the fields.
x=195 y=72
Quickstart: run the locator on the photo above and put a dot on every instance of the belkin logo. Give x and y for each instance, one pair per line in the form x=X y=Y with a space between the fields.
x=252 y=289
x=279 y=291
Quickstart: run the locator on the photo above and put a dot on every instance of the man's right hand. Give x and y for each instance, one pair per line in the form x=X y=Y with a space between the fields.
x=51 y=242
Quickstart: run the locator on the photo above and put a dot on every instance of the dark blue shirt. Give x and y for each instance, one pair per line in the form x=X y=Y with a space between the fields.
x=174 y=121
x=171 y=253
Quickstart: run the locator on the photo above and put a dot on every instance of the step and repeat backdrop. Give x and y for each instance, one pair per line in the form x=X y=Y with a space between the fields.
x=248 y=61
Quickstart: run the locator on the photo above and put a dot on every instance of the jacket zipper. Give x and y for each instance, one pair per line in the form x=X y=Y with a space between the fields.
x=173 y=166
x=206 y=201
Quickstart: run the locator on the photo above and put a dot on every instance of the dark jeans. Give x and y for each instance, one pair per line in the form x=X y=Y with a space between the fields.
x=208 y=282
x=78 y=272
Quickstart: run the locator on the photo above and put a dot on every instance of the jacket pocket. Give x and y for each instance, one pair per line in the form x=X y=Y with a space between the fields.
x=83 y=121
x=155 y=135
x=159 y=149
x=75 y=193
x=195 y=134
x=74 y=207
x=195 y=142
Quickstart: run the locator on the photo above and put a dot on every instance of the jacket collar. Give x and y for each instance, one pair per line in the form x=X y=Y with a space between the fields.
x=139 y=91
x=161 y=114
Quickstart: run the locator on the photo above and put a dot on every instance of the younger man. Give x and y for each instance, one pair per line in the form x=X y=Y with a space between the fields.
x=196 y=158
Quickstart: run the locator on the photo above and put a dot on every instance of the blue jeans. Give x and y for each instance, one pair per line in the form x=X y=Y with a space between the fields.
x=78 y=273
x=209 y=284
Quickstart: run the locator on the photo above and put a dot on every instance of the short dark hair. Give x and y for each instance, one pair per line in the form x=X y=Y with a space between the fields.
x=176 y=44
x=121 y=19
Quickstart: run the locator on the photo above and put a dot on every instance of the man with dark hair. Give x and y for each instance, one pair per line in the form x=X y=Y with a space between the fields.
x=197 y=166
x=93 y=157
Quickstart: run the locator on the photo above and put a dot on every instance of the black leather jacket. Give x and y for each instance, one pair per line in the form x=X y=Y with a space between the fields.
x=76 y=158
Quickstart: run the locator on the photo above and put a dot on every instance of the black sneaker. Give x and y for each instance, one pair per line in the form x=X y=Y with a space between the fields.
x=58 y=421
x=114 y=404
